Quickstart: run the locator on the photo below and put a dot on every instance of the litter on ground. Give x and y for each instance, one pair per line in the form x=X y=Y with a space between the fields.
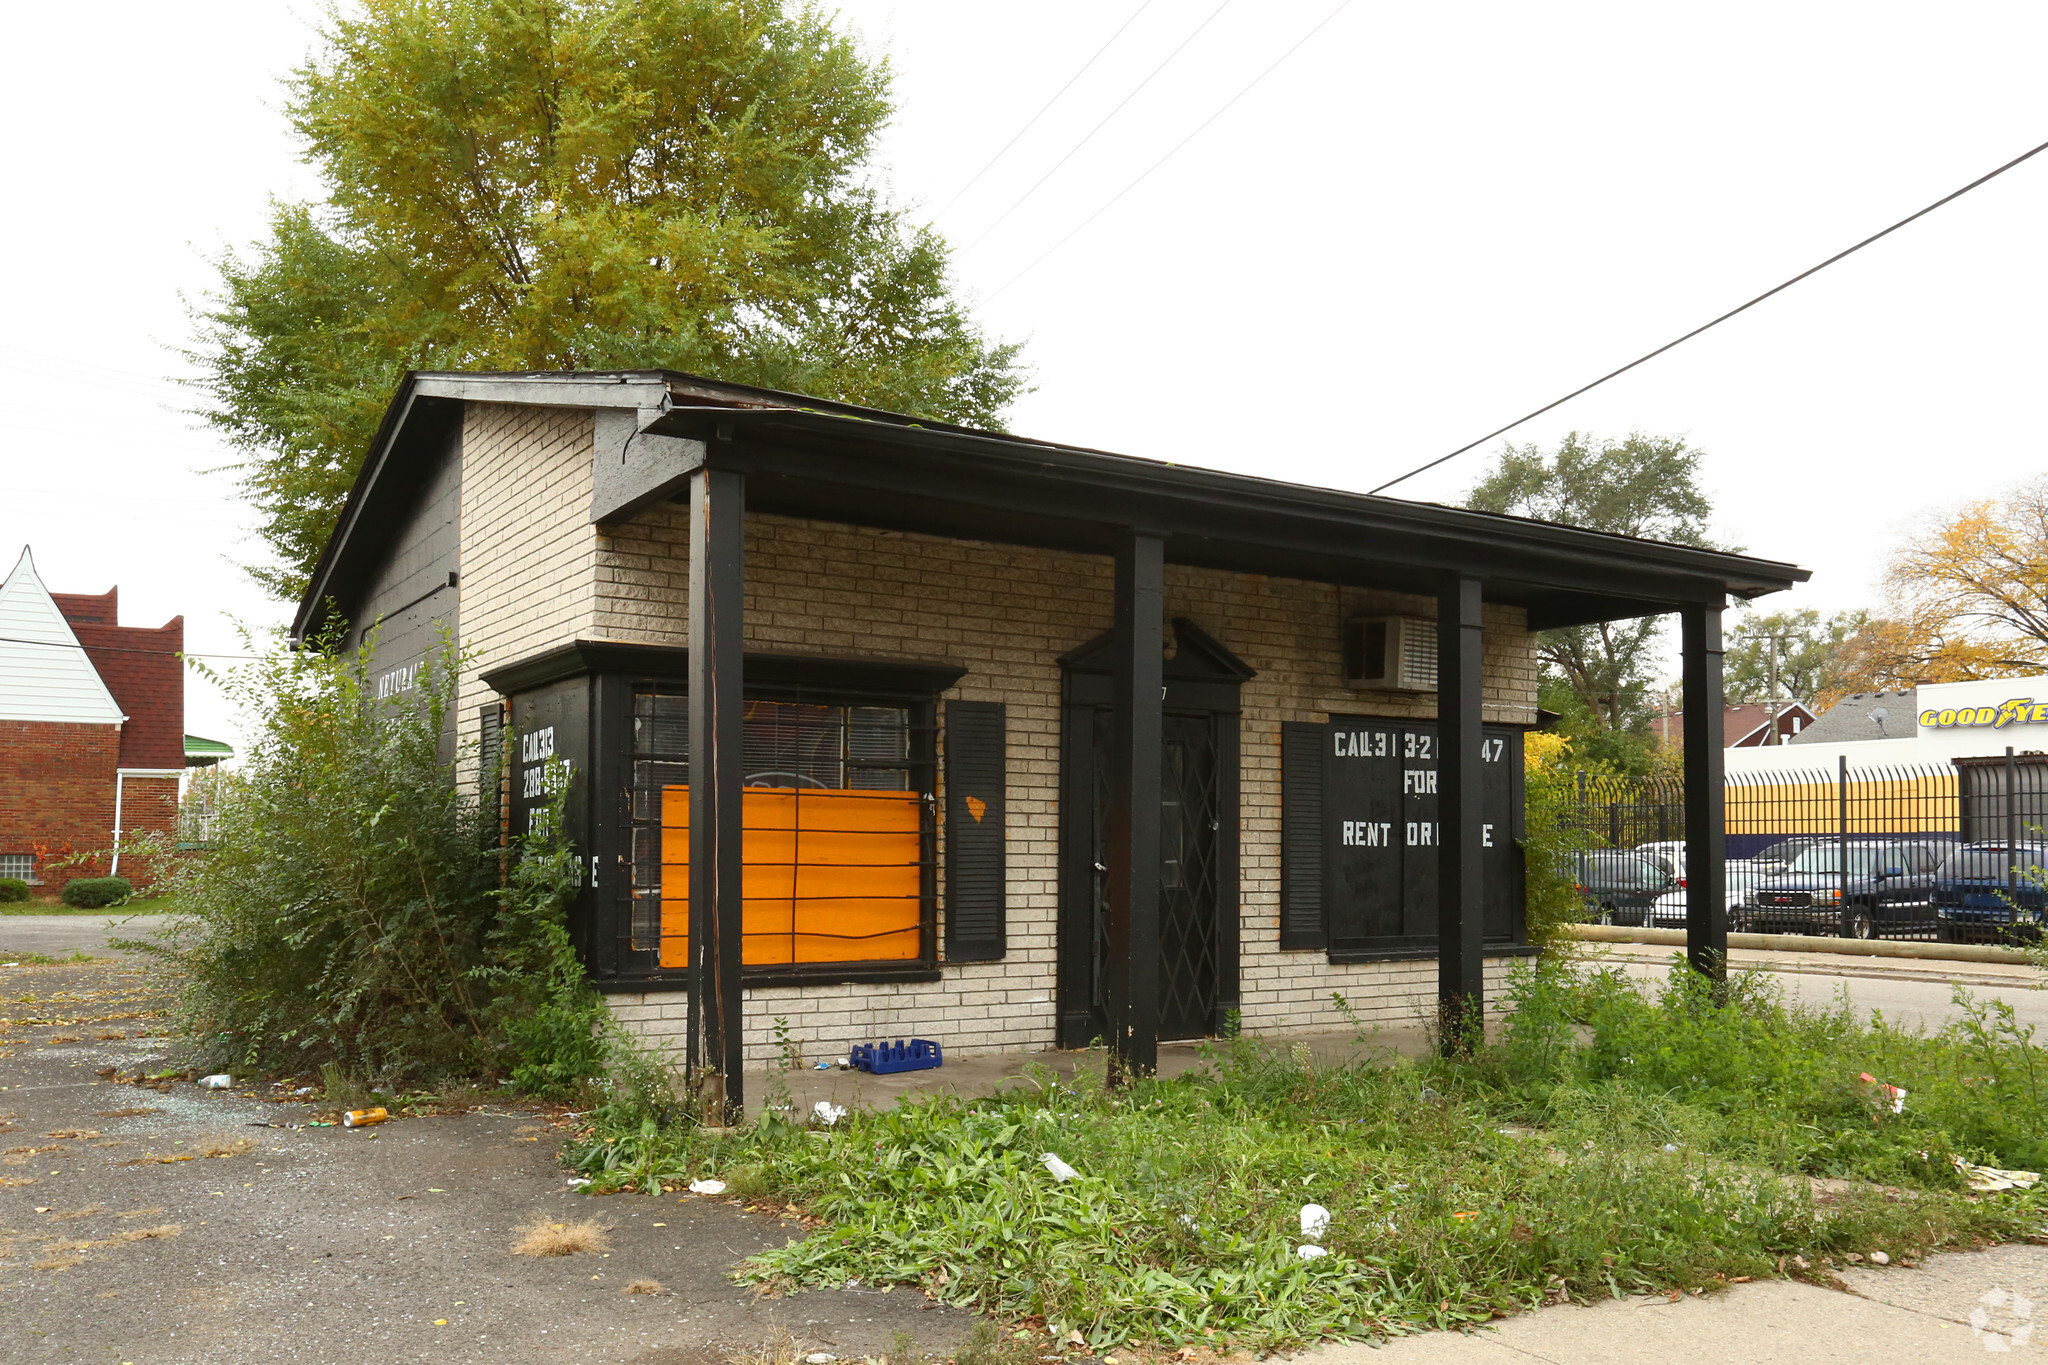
x=1061 y=1171
x=1990 y=1179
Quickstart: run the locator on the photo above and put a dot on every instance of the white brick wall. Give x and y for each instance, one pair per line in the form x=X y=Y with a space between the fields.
x=535 y=574
x=529 y=553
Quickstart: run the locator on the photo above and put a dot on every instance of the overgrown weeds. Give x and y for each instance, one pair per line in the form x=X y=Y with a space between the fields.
x=356 y=912
x=1615 y=1140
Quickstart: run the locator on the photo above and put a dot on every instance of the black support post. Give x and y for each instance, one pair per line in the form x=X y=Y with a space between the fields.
x=1461 y=913
x=1130 y=988
x=717 y=581
x=1706 y=829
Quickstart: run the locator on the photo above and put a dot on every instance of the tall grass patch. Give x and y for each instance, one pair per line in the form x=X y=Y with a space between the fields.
x=1617 y=1139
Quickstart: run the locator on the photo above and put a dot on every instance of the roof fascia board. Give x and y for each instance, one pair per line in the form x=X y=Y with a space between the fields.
x=627 y=389
x=1123 y=479
x=1362 y=537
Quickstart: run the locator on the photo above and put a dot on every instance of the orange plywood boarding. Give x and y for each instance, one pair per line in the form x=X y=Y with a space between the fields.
x=827 y=876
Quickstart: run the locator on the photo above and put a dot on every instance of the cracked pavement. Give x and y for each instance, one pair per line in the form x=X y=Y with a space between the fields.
x=121 y=1240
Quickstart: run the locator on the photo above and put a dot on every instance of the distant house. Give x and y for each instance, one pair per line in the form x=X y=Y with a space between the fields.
x=92 y=727
x=1747 y=726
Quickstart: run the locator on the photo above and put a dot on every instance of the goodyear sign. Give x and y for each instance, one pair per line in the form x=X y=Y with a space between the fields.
x=2012 y=711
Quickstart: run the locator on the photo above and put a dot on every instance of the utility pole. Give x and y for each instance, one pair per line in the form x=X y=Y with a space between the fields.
x=1771 y=734
x=1771 y=731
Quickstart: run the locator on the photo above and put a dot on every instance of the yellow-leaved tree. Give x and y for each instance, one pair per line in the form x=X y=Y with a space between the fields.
x=1968 y=596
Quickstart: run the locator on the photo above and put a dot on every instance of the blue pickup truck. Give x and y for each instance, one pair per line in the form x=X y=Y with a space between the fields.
x=1990 y=893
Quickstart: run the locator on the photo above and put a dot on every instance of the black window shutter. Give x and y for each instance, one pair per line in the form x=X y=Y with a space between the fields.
x=490 y=768
x=1301 y=835
x=976 y=880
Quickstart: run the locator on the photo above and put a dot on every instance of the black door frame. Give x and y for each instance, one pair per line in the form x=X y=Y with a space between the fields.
x=1202 y=678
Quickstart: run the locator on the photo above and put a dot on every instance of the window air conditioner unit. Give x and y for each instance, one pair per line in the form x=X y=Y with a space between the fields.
x=1390 y=653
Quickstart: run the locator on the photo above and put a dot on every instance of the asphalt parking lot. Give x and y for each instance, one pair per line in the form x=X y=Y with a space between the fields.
x=143 y=1225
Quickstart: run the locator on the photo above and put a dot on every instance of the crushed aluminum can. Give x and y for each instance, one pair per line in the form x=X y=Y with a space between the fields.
x=217 y=1081
x=363 y=1118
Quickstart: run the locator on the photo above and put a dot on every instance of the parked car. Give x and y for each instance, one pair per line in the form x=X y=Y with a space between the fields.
x=1888 y=888
x=1619 y=887
x=1669 y=911
x=1979 y=898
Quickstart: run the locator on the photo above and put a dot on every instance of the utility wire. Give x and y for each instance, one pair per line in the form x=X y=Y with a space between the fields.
x=1032 y=122
x=1097 y=128
x=124 y=649
x=1957 y=194
x=1111 y=201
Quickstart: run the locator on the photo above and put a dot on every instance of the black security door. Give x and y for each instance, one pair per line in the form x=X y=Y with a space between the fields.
x=1197 y=843
x=1189 y=823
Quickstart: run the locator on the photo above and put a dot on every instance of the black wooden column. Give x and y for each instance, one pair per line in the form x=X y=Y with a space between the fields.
x=1130 y=986
x=717 y=581
x=1461 y=913
x=1706 y=830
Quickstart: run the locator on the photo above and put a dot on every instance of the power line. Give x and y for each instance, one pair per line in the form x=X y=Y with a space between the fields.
x=1586 y=388
x=1111 y=201
x=123 y=649
x=1032 y=122
x=1097 y=128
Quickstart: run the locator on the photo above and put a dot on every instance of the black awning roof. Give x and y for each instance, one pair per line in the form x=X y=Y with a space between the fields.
x=835 y=462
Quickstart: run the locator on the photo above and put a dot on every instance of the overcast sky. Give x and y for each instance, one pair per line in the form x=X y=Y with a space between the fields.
x=1425 y=222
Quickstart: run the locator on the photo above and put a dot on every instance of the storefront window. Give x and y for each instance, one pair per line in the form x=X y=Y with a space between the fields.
x=836 y=831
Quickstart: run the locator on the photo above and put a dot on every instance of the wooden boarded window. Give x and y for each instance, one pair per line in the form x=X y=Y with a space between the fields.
x=835 y=831
x=828 y=876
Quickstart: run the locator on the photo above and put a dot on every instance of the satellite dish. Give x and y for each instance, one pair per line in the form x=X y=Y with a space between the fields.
x=1881 y=715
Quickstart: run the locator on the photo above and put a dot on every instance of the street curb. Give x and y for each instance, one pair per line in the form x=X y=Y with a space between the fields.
x=1810 y=943
x=1861 y=969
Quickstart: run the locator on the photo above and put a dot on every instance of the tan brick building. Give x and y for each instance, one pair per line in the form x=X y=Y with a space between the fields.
x=924 y=767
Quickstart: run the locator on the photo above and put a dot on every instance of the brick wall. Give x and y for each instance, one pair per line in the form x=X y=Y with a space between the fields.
x=1005 y=612
x=57 y=791
x=528 y=549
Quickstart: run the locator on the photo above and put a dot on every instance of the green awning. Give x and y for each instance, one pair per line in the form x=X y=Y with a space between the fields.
x=199 y=751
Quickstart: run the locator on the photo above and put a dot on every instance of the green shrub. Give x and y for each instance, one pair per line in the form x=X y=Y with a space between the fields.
x=354 y=909
x=94 y=893
x=13 y=890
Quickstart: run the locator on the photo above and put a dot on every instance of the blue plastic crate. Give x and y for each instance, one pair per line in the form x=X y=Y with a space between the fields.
x=919 y=1054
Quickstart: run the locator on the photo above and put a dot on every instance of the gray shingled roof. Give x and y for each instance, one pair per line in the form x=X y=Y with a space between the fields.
x=1849 y=719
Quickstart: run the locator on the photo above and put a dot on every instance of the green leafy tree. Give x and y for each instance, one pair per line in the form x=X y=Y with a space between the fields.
x=1813 y=665
x=568 y=184
x=1644 y=486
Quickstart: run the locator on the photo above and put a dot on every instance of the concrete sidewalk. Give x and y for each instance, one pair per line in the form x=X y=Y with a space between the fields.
x=1956 y=1308
x=971 y=1076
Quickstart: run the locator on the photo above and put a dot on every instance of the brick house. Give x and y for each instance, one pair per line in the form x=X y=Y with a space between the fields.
x=952 y=687
x=92 y=718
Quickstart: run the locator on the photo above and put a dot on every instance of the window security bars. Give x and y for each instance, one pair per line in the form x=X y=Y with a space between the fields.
x=1953 y=852
x=837 y=823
